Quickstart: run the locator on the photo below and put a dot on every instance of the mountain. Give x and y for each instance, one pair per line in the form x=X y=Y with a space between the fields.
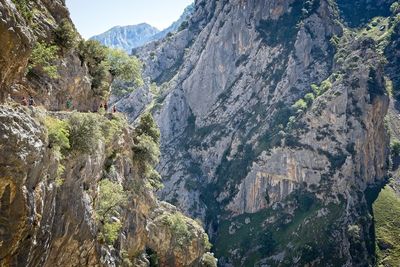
x=127 y=37
x=131 y=37
x=274 y=128
x=275 y=125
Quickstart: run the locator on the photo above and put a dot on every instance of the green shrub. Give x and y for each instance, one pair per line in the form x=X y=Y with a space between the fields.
x=325 y=86
x=354 y=231
x=179 y=227
x=66 y=35
x=208 y=260
x=94 y=55
x=58 y=134
x=111 y=198
x=85 y=132
x=42 y=58
x=125 y=67
x=206 y=241
x=395 y=148
x=106 y=64
x=146 y=151
x=24 y=9
x=309 y=98
x=113 y=128
x=315 y=89
x=148 y=126
x=300 y=105
x=110 y=232
x=387 y=226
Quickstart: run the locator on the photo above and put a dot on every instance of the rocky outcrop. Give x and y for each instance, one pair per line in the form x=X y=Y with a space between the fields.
x=24 y=23
x=52 y=220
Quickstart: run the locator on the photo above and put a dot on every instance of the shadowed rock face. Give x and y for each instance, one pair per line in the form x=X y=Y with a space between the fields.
x=237 y=154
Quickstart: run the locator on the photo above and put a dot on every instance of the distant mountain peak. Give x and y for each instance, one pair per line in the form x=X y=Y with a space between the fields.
x=133 y=36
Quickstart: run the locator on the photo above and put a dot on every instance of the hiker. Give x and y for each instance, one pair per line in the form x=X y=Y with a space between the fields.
x=101 y=105
x=114 y=109
x=105 y=106
x=31 y=101
x=24 y=101
x=69 y=104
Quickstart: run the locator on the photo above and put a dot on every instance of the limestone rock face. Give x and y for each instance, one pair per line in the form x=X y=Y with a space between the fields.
x=261 y=172
x=43 y=223
x=21 y=27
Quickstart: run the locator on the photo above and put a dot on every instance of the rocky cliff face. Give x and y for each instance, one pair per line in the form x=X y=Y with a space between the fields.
x=51 y=219
x=25 y=23
x=75 y=188
x=271 y=116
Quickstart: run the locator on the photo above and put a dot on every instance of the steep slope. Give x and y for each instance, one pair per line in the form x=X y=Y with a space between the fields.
x=77 y=189
x=127 y=37
x=271 y=117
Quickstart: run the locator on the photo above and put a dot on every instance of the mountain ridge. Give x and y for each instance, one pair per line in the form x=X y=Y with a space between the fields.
x=130 y=37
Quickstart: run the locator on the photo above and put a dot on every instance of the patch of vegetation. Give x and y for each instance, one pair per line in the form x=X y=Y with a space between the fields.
x=125 y=67
x=177 y=223
x=58 y=134
x=85 y=132
x=305 y=235
x=387 y=227
x=208 y=260
x=113 y=127
x=107 y=64
x=66 y=35
x=395 y=148
x=24 y=9
x=95 y=56
x=300 y=105
x=42 y=59
x=111 y=198
x=146 y=151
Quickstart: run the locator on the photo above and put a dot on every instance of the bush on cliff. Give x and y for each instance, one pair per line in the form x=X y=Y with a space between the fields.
x=58 y=133
x=111 y=198
x=24 y=9
x=66 y=35
x=85 y=132
x=106 y=64
x=146 y=151
x=42 y=59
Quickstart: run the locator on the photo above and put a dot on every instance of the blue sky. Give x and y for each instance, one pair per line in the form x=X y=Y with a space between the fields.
x=93 y=17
